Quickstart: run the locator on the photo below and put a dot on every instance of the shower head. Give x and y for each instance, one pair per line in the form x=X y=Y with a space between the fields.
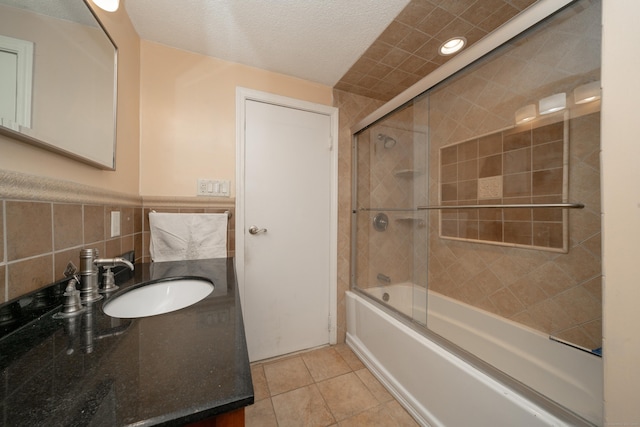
x=387 y=141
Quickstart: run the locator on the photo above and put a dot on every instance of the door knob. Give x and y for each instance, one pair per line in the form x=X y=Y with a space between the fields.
x=255 y=230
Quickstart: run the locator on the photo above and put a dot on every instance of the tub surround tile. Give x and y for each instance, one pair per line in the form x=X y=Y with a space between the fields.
x=490 y=166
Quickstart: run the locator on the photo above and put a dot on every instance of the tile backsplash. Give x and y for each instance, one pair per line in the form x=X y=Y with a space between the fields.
x=42 y=230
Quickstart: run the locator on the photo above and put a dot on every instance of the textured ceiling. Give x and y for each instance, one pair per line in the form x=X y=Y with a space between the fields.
x=372 y=48
x=316 y=40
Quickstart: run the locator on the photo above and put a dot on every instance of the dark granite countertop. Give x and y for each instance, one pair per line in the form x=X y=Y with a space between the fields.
x=170 y=369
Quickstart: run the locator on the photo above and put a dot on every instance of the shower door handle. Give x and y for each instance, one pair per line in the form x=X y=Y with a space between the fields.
x=255 y=230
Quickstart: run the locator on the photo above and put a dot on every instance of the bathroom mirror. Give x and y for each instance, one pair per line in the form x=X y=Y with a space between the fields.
x=58 y=79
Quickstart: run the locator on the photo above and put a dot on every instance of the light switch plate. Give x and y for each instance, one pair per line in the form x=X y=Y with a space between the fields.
x=213 y=187
x=115 y=223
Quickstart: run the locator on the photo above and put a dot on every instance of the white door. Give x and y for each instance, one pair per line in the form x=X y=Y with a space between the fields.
x=286 y=269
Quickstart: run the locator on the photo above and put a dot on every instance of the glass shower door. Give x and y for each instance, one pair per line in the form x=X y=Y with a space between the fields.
x=390 y=254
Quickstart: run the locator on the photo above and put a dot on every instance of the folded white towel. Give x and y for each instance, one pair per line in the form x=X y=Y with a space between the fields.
x=184 y=236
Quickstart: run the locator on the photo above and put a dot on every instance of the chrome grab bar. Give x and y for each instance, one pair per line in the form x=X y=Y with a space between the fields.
x=507 y=206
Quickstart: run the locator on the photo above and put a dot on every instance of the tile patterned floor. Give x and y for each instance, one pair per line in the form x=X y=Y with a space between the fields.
x=324 y=387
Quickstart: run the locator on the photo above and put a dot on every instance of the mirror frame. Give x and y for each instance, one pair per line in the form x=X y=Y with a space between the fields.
x=67 y=153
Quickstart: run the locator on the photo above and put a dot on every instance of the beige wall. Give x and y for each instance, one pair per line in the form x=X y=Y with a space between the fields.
x=188 y=110
x=621 y=211
x=20 y=157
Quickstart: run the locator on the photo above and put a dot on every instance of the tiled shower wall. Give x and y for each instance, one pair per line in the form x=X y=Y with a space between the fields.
x=391 y=181
x=44 y=224
x=352 y=109
x=555 y=293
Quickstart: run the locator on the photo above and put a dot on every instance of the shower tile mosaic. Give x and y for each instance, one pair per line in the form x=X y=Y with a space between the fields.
x=519 y=166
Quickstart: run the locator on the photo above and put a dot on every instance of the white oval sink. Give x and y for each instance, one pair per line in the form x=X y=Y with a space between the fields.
x=158 y=298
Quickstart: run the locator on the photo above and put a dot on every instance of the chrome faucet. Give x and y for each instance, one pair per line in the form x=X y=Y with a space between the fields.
x=89 y=263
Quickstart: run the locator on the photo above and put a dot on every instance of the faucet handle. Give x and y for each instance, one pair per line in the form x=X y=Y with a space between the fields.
x=72 y=305
x=108 y=281
x=70 y=270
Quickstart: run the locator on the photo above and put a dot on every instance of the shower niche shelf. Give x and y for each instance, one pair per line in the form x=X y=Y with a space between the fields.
x=408 y=173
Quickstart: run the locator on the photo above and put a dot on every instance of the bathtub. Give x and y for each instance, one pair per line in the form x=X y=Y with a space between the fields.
x=439 y=386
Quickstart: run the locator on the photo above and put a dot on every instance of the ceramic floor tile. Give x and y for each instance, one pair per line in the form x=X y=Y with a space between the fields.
x=349 y=356
x=328 y=387
x=346 y=396
x=400 y=414
x=260 y=414
x=374 y=386
x=301 y=408
x=260 y=387
x=325 y=363
x=374 y=417
x=286 y=375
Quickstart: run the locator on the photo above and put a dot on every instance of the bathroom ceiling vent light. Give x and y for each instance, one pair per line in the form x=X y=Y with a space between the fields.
x=553 y=103
x=526 y=114
x=587 y=93
x=108 y=5
x=452 y=46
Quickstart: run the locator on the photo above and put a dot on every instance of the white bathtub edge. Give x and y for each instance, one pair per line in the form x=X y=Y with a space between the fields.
x=419 y=413
x=515 y=404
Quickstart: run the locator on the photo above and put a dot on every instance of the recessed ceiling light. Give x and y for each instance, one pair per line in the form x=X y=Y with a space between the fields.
x=452 y=46
x=108 y=5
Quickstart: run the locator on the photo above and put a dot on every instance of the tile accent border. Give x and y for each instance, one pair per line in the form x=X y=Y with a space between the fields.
x=19 y=186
